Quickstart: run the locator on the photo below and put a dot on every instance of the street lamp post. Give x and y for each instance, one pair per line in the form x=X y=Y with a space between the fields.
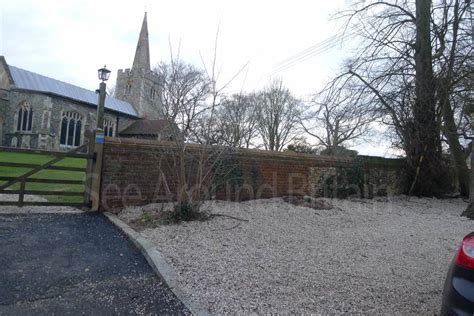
x=94 y=194
x=104 y=74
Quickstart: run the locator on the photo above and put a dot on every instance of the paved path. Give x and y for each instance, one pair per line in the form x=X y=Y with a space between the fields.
x=75 y=264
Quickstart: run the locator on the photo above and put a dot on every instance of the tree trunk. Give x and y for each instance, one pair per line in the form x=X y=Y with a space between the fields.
x=469 y=211
x=449 y=128
x=425 y=171
x=450 y=131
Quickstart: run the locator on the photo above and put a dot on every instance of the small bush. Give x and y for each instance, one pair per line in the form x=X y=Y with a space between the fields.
x=147 y=218
x=185 y=212
x=181 y=212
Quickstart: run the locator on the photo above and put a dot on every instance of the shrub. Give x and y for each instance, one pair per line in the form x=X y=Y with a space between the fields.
x=185 y=212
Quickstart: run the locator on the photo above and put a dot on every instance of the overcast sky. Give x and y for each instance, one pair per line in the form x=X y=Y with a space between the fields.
x=69 y=40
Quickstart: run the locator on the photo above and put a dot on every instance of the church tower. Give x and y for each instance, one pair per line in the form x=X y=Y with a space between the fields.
x=139 y=86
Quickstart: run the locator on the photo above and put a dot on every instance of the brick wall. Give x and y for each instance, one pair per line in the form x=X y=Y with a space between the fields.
x=139 y=172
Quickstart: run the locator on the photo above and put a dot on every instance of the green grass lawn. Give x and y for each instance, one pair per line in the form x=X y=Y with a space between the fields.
x=45 y=174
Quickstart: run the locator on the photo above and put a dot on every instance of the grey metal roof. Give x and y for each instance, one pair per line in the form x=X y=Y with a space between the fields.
x=148 y=127
x=24 y=79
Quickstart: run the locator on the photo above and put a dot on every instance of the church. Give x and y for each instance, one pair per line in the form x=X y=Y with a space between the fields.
x=40 y=112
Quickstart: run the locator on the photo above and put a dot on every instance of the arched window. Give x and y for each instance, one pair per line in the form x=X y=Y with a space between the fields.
x=77 y=134
x=109 y=128
x=64 y=126
x=152 y=93
x=71 y=128
x=25 y=118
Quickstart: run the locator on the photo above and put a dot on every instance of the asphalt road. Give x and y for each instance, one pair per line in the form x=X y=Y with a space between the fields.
x=75 y=264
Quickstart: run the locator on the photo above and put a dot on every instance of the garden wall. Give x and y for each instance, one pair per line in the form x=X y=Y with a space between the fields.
x=136 y=172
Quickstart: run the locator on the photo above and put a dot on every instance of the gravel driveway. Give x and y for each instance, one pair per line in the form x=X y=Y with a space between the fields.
x=371 y=256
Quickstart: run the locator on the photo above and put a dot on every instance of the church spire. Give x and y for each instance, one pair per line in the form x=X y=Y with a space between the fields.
x=142 y=54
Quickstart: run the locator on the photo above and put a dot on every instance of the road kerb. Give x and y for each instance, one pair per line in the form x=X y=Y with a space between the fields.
x=158 y=263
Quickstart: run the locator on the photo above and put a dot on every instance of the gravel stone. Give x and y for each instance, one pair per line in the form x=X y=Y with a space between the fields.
x=386 y=255
x=13 y=209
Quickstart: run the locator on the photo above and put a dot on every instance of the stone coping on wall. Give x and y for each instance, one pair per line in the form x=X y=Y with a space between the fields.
x=261 y=154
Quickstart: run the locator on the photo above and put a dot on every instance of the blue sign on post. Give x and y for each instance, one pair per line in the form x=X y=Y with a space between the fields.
x=99 y=138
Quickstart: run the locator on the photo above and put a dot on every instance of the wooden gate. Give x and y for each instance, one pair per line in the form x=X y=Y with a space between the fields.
x=42 y=179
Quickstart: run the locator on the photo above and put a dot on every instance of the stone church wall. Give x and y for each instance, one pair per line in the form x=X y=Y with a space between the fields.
x=3 y=113
x=46 y=120
x=139 y=93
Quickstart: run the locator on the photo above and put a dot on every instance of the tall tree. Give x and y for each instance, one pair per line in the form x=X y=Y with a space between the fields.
x=451 y=44
x=341 y=115
x=278 y=116
x=425 y=165
x=184 y=90
x=402 y=63
x=237 y=120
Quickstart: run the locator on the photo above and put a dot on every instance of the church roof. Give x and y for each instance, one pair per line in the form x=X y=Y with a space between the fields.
x=24 y=79
x=149 y=127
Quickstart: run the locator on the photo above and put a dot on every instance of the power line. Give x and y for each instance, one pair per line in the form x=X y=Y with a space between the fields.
x=310 y=52
x=307 y=50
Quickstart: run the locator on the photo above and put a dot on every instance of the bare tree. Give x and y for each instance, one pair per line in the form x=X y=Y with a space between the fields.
x=184 y=90
x=217 y=95
x=235 y=122
x=452 y=43
x=400 y=63
x=190 y=172
x=278 y=116
x=342 y=114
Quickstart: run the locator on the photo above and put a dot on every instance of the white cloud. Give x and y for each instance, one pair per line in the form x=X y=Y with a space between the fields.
x=70 y=40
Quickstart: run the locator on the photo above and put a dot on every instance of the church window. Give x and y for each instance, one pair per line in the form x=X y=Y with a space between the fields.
x=25 y=118
x=71 y=128
x=109 y=128
x=128 y=89
x=77 y=134
x=152 y=93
